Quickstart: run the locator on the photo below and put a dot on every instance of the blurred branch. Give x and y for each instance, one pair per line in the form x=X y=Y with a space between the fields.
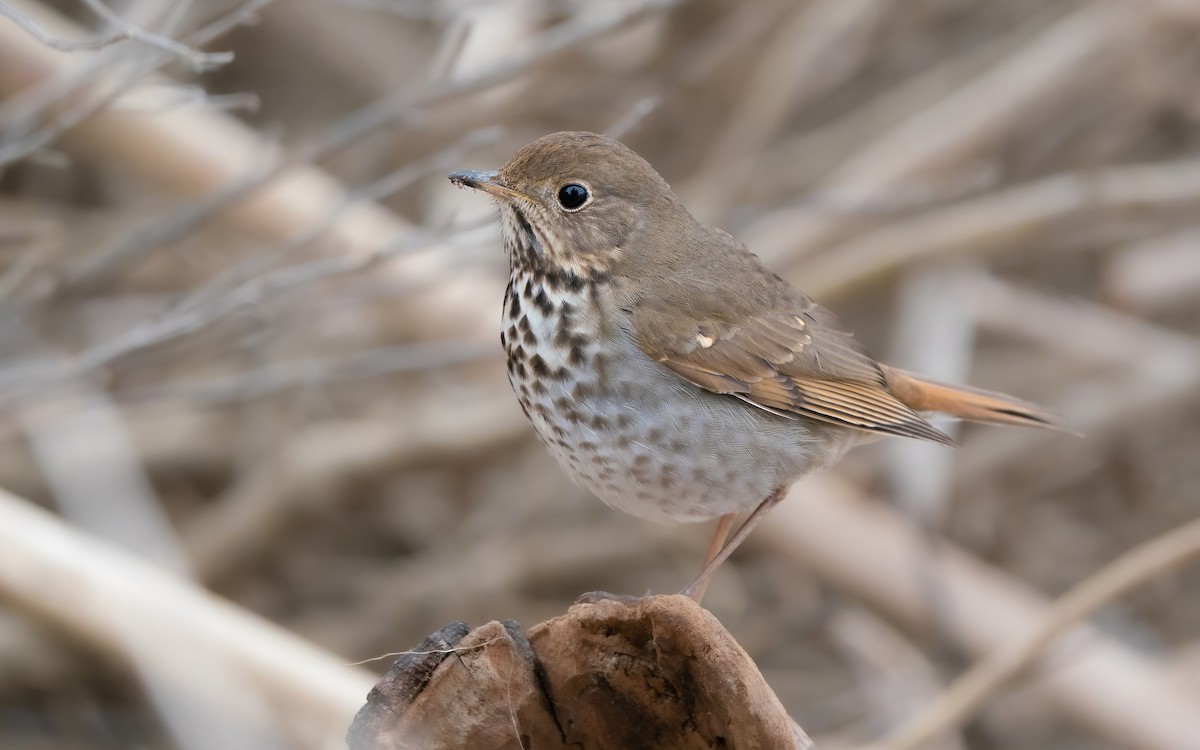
x=1081 y=328
x=95 y=584
x=56 y=42
x=1125 y=697
x=276 y=376
x=552 y=42
x=1161 y=368
x=202 y=150
x=199 y=61
x=968 y=694
x=894 y=676
x=307 y=472
x=966 y=123
x=813 y=48
x=86 y=454
x=51 y=93
x=1159 y=273
x=989 y=224
x=115 y=257
x=18 y=381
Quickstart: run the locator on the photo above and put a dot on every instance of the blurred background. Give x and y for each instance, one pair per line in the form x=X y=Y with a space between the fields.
x=248 y=342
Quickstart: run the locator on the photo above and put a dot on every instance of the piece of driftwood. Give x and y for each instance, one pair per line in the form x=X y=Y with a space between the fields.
x=658 y=673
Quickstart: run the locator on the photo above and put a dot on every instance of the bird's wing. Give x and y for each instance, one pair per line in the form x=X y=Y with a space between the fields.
x=793 y=360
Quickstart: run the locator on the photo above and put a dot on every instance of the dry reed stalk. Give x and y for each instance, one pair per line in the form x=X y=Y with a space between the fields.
x=1125 y=697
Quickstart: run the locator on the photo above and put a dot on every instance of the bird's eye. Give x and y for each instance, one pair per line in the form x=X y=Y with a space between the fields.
x=573 y=196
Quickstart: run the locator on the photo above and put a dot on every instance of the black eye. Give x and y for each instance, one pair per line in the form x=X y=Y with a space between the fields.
x=572 y=196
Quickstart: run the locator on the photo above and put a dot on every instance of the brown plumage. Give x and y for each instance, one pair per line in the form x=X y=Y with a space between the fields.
x=664 y=367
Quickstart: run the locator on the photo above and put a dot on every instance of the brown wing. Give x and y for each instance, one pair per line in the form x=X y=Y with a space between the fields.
x=794 y=363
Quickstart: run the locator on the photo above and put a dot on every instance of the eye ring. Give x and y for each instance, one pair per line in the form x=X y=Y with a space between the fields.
x=574 y=196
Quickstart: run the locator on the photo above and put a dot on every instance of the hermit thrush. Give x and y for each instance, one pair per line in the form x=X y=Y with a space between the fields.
x=663 y=366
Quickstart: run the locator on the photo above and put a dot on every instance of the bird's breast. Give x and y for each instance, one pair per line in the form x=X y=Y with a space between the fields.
x=642 y=439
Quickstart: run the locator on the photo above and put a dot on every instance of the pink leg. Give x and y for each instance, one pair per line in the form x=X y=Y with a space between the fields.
x=720 y=534
x=695 y=589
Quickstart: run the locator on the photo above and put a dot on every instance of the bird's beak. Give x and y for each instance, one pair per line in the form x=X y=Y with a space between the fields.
x=488 y=182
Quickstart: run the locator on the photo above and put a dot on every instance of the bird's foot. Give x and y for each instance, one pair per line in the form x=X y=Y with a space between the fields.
x=592 y=597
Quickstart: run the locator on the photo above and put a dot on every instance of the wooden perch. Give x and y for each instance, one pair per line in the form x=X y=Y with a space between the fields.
x=659 y=673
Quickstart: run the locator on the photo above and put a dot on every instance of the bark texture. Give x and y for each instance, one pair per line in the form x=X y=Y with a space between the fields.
x=658 y=673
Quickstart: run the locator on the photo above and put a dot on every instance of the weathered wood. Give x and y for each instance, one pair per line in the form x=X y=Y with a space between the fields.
x=658 y=673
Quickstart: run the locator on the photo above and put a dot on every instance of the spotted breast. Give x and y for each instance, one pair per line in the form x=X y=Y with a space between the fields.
x=595 y=400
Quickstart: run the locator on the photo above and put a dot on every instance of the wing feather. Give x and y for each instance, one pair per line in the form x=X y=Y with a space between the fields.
x=794 y=362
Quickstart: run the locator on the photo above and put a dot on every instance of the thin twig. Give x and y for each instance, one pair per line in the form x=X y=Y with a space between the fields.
x=1122 y=695
x=280 y=375
x=56 y=42
x=1149 y=560
x=201 y=62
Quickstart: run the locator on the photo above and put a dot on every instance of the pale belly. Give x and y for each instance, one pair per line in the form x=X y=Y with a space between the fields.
x=635 y=434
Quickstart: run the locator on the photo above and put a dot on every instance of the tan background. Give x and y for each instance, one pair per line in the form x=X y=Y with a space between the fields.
x=296 y=394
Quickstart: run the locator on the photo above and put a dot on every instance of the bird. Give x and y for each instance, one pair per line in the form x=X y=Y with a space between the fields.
x=664 y=367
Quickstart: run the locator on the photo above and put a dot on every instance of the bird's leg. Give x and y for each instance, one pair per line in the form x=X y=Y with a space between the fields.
x=720 y=534
x=695 y=589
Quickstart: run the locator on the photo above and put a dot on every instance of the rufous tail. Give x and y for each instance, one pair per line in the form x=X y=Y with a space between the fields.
x=972 y=404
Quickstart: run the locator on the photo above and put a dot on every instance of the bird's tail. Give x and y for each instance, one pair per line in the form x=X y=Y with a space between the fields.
x=972 y=404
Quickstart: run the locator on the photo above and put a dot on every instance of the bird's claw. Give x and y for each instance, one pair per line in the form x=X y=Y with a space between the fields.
x=593 y=597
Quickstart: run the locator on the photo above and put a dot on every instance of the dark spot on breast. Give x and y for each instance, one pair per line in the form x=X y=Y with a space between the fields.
x=514 y=304
x=594 y=293
x=641 y=460
x=566 y=408
x=539 y=367
x=582 y=390
x=598 y=422
x=543 y=302
x=526 y=331
x=622 y=421
x=599 y=364
x=577 y=356
x=562 y=279
x=523 y=223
